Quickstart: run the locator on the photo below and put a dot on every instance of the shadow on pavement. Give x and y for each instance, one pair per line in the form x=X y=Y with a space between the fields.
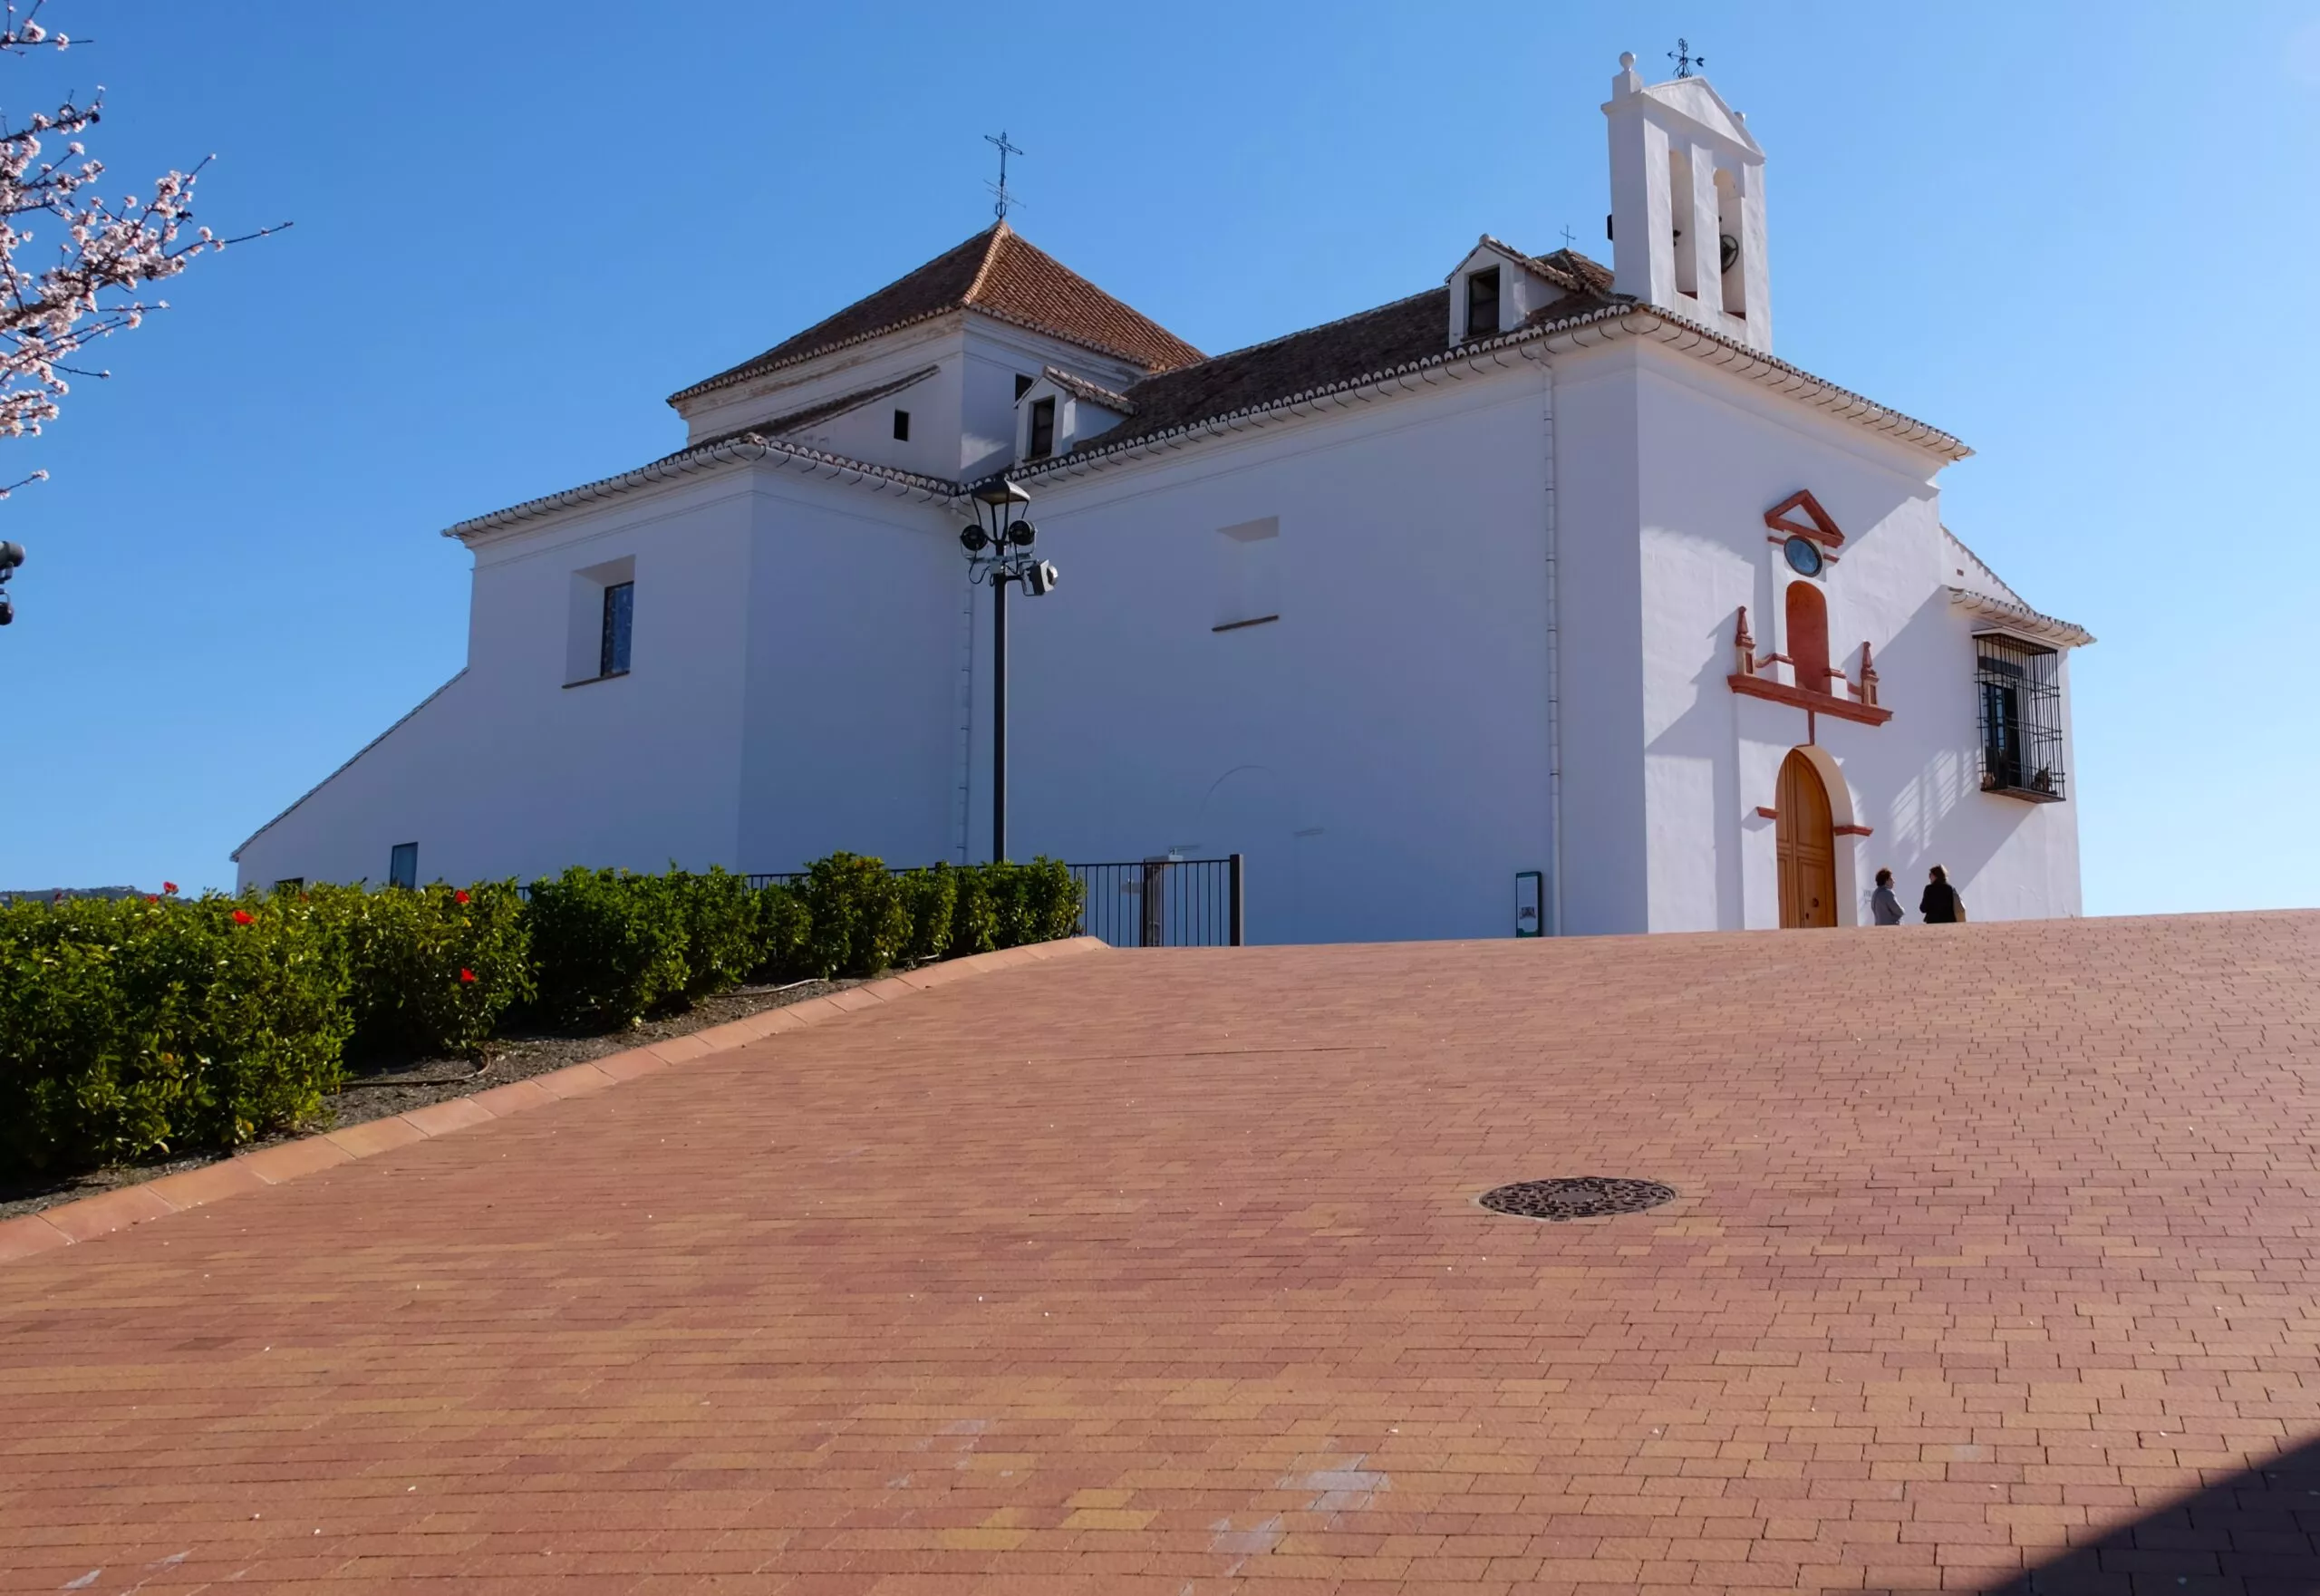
x=2256 y=1533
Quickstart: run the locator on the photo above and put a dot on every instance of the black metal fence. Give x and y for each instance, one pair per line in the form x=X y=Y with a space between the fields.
x=1162 y=902
x=1142 y=903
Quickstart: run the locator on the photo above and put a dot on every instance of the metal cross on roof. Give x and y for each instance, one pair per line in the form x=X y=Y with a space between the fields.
x=1684 y=59
x=1001 y=194
x=1569 y=237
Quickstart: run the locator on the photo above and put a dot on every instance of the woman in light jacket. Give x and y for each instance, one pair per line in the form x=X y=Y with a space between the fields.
x=1882 y=903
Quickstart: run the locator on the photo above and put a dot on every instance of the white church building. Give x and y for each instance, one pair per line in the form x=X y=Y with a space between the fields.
x=1549 y=585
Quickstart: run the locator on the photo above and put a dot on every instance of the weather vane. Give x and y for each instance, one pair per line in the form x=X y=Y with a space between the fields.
x=1000 y=193
x=1684 y=59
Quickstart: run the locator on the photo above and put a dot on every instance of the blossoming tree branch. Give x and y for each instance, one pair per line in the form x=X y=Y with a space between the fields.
x=110 y=253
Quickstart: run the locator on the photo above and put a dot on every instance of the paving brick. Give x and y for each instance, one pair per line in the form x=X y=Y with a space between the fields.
x=442 y=1118
x=289 y=1160
x=95 y=1216
x=191 y=1188
x=1162 y=1271
x=375 y=1136
x=22 y=1237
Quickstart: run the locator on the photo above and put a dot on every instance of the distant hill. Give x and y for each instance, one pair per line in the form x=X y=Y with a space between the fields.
x=49 y=895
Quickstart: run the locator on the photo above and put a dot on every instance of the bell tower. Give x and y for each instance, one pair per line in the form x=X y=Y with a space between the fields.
x=1687 y=206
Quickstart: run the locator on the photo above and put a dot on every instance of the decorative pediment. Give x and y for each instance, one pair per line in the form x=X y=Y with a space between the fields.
x=1800 y=515
x=1698 y=103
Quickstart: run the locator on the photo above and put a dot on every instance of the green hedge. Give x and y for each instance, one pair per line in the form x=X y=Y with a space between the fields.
x=432 y=971
x=132 y=1028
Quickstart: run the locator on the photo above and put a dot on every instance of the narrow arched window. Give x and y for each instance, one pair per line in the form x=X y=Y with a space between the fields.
x=1808 y=636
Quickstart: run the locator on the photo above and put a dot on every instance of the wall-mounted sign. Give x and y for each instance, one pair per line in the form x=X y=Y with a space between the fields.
x=1530 y=903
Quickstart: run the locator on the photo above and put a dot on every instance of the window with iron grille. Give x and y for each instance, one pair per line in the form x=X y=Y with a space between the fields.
x=402 y=865
x=2021 y=691
x=620 y=609
x=1042 y=429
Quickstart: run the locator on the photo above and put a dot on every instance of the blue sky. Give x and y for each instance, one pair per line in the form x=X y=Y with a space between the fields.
x=2077 y=237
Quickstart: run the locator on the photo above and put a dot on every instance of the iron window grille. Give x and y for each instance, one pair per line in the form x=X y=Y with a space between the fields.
x=620 y=609
x=2020 y=689
x=402 y=865
x=1042 y=429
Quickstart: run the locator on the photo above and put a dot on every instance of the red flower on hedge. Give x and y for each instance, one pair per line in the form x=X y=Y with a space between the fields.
x=467 y=975
x=152 y=897
x=243 y=916
x=459 y=896
x=170 y=887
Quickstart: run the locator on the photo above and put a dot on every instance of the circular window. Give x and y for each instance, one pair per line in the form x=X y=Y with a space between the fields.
x=1804 y=555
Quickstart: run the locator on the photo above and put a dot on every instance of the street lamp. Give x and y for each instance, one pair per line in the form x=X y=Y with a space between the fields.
x=12 y=555
x=998 y=551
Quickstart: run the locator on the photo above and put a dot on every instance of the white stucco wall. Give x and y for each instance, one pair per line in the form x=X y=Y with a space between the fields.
x=1599 y=487
x=1378 y=753
x=1714 y=458
x=514 y=772
x=851 y=735
x=811 y=672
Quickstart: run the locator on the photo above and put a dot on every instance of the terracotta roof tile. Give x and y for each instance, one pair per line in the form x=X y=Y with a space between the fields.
x=813 y=415
x=996 y=271
x=1337 y=352
x=1094 y=393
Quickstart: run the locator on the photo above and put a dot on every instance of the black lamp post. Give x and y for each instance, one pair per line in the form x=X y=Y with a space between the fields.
x=998 y=551
x=12 y=555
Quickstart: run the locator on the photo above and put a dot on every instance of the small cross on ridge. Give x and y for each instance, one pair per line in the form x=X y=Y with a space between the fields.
x=1002 y=195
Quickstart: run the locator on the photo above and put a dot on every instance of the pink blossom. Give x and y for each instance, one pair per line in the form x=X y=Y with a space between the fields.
x=50 y=313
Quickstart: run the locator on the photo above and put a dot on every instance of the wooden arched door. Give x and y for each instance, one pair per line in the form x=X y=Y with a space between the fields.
x=1807 y=846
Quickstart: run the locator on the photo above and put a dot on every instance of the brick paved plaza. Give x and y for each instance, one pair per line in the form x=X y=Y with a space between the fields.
x=1162 y=1272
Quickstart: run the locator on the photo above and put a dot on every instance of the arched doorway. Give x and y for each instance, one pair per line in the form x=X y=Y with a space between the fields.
x=1806 y=841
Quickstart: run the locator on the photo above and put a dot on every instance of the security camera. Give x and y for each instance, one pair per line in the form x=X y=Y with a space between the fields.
x=974 y=539
x=12 y=555
x=1040 y=578
x=1021 y=533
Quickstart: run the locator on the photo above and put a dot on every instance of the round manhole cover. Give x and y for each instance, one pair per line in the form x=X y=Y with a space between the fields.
x=1579 y=1196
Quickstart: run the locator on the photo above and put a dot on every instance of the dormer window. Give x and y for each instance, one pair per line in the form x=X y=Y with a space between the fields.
x=1482 y=304
x=1042 y=429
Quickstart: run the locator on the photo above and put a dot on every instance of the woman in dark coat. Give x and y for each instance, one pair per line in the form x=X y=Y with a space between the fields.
x=1941 y=905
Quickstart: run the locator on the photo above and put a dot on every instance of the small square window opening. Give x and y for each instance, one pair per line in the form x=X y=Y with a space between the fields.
x=1042 y=429
x=620 y=607
x=402 y=865
x=902 y=426
x=1022 y=384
